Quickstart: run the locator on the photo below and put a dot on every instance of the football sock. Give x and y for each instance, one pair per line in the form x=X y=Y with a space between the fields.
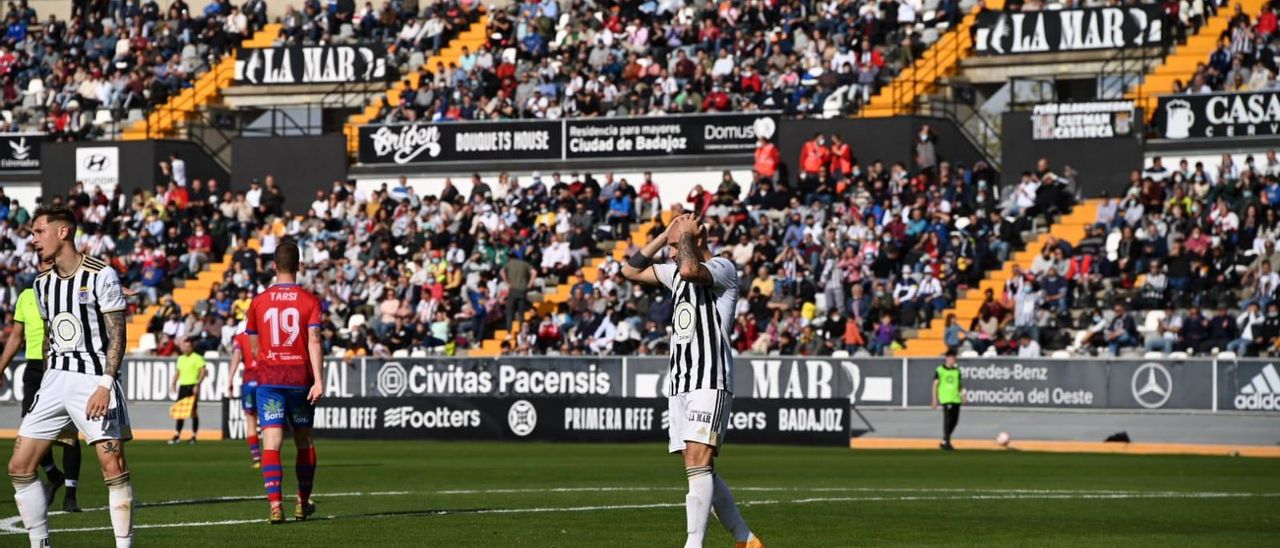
x=305 y=466
x=195 y=425
x=271 y=475
x=47 y=463
x=120 y=499
x=177 y=430
x=71 y=464
x=697 y=504
x=28 y=493
x=727 y=511
x=253 y=447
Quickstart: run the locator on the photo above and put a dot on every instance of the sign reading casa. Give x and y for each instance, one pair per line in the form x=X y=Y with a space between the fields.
x=1249 y=114
x=1011 y=33
x=311 y=65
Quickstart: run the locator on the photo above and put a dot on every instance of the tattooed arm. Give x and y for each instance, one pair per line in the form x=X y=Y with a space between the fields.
x=690 y=262
x=101 y=399
x=115 y=342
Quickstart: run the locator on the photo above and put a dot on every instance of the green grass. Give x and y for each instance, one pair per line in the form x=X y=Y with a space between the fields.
x=867 y=498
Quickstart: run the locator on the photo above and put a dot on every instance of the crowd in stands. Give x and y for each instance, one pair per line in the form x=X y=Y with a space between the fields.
x=846 y=258
x=548 y=59
x=1182 y=261
x=1245 y=59
x=76 y=78
x=843 y=256
x=398 y=23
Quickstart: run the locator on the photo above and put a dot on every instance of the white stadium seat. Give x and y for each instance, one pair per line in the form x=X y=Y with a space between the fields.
x=147 y=343
x=355 y=320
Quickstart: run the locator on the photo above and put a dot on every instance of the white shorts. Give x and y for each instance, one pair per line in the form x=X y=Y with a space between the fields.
x=699 y=416
x=60 y=407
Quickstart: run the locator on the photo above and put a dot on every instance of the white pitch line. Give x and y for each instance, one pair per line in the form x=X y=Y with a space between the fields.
x=7 y=525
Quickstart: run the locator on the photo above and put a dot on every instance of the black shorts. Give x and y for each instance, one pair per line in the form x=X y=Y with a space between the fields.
x=186 y=391
x=31 y=379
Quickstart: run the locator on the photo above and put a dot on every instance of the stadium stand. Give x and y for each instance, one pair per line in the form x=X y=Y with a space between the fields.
x=1181 y=263
x=851 y=256
x=1228 y=52
x=470 y=35
x=590 y=311
x=108 y=63
x=539 y=62
x=920 y=78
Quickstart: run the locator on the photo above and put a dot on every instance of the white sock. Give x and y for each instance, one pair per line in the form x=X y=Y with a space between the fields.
x=120 y=500
x=72 y=483
x=727 y=511
x=28 y=493
x=697 y=504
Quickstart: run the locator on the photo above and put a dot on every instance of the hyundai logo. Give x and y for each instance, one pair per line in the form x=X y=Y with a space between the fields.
x=96 y=162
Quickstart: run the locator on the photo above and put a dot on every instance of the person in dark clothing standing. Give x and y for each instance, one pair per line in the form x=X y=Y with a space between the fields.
x=948 y=392
x=519 y=275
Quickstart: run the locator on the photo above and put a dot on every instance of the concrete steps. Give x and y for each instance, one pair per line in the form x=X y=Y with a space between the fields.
x=942 y=59
x=164 y=120
x=472 y=38
x=552 y=298
x=185 y=296
x=1181 y=64
x=1071 y=228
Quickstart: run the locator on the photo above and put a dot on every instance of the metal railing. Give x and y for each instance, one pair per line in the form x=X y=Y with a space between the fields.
x=938 y=62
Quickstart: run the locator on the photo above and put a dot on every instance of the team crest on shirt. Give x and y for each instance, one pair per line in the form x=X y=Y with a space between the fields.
x=83 y=295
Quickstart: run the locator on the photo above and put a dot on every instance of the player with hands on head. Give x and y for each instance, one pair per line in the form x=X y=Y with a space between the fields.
x=700 y=387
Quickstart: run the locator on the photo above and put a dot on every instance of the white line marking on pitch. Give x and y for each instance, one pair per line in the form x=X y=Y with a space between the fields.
x=9 y=526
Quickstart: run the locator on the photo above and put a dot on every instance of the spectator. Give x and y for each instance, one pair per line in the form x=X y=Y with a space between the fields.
x=518 y=275
x=1122 y=332
x=884 y=336
x=1223 y=329
x=1250 y=323
x=1028 y=347
x=1165 y=336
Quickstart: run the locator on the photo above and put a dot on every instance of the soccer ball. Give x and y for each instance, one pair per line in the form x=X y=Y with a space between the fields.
x=1003 y=439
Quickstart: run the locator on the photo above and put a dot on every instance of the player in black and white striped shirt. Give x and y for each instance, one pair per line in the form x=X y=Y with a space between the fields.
x=700 y=385
x=82 y=304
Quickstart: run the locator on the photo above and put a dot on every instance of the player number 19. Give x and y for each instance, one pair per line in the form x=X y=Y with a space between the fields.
x=283 y=320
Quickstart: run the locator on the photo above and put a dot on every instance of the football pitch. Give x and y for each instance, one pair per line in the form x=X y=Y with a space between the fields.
x=494 y=494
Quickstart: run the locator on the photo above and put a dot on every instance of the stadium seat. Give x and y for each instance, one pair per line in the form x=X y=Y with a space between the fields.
x=970 y=353
x=356 y=320
x=212 y=355
x=1060 y=354
x=1153 y=355
x=34 y=94
x=418 y=352
x=1152 y=323
x=147 y=344
x=1227 y=356
x=416 y=60
x=103 y=118
x=402 y=353
x=1178 y=355
x=840 y=354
